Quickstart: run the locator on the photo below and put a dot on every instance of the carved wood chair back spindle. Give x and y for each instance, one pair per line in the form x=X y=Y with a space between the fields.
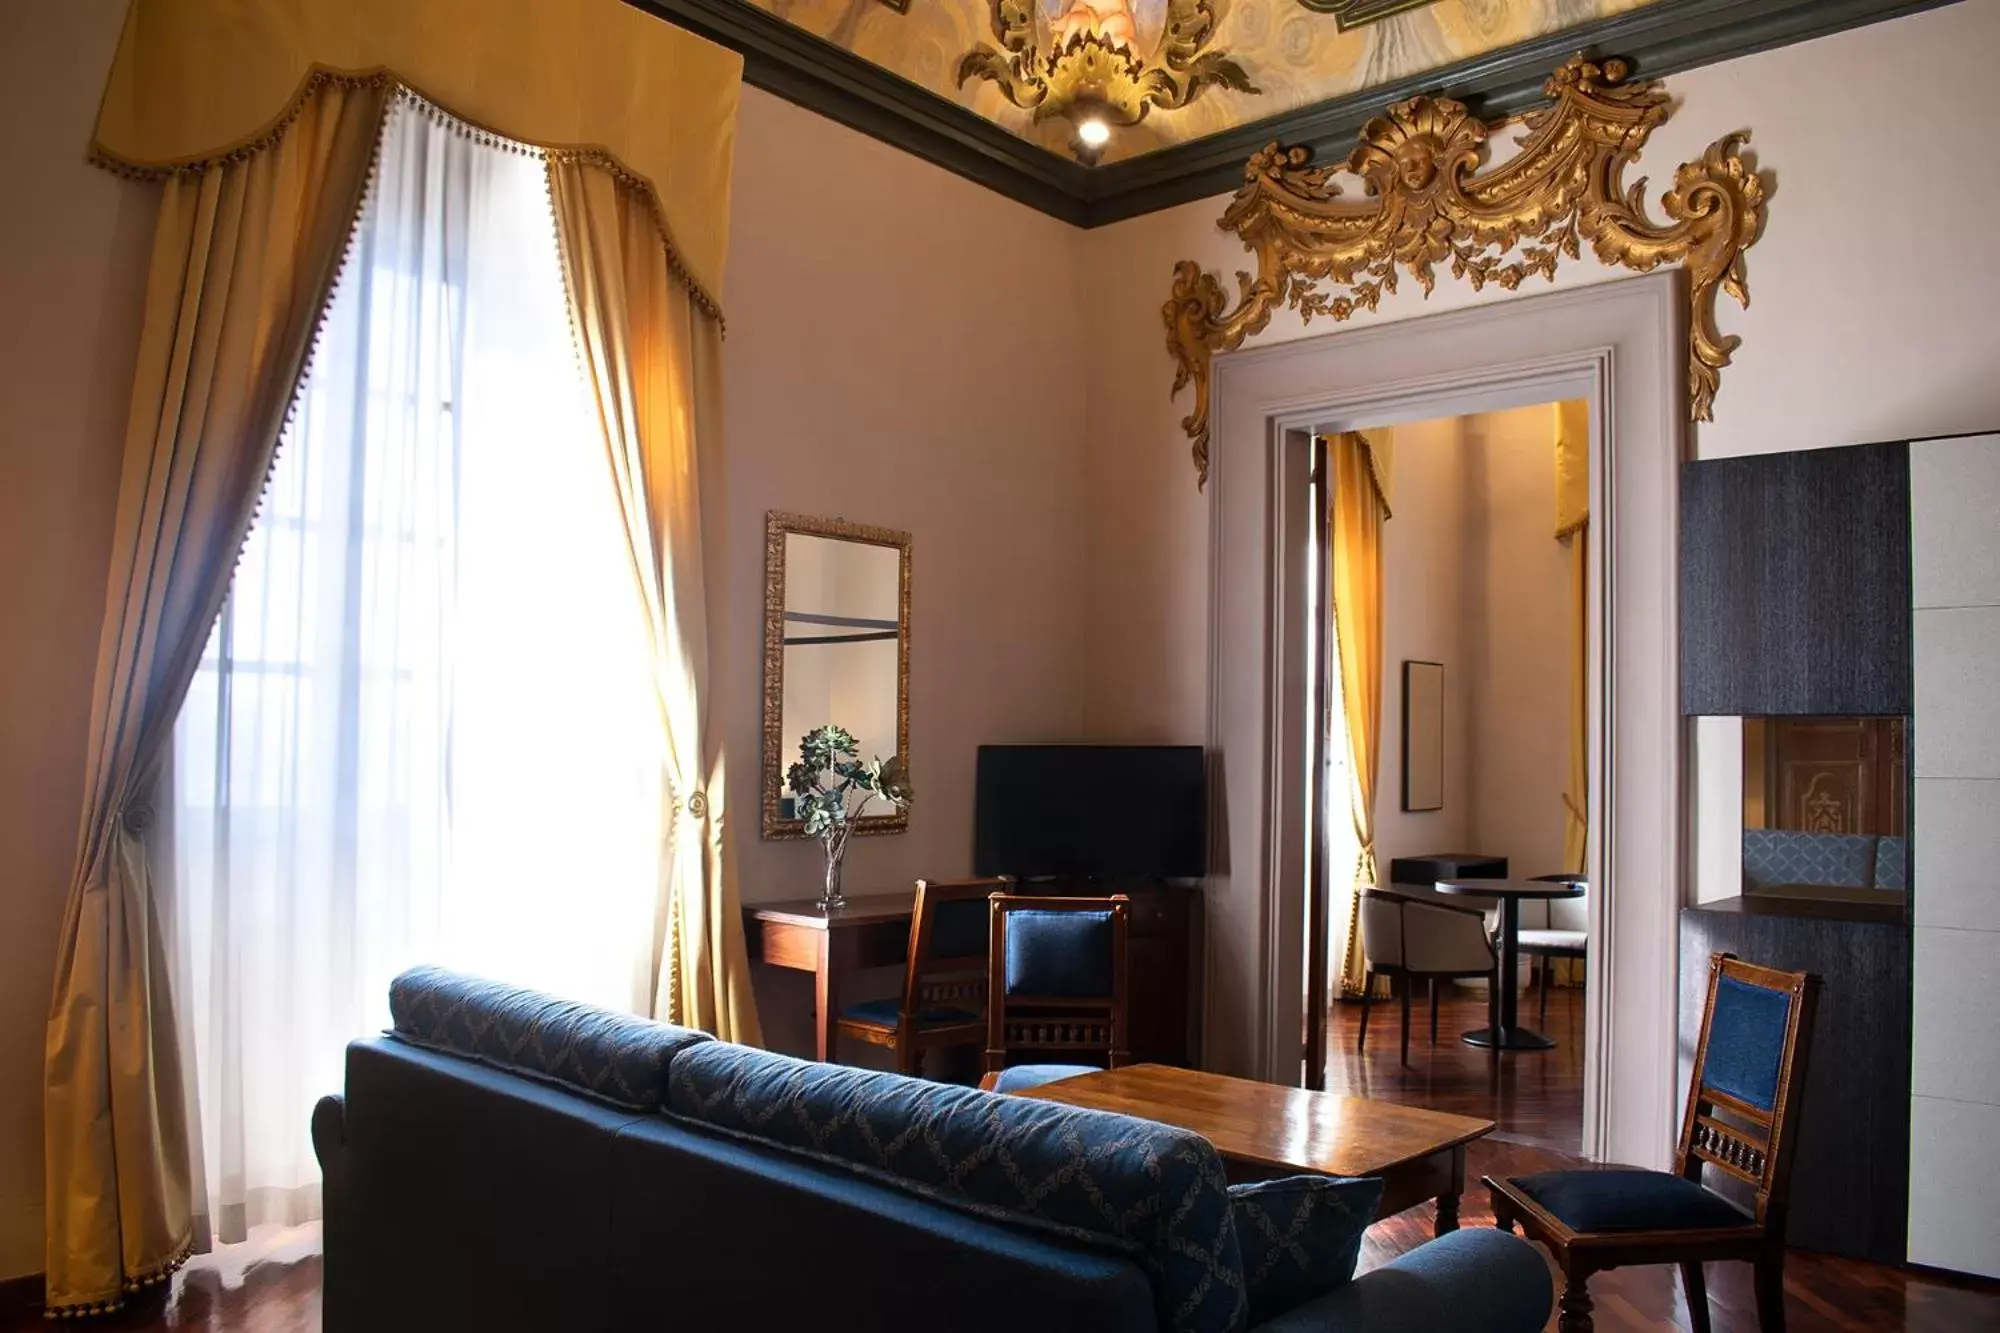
x=1057 y=980
x=1742 y=1119
x=943 y=1001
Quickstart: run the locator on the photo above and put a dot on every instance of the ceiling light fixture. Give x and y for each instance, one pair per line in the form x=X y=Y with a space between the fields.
x=1094 y=133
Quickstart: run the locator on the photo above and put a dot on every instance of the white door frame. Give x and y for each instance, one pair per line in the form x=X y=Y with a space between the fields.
x=1620 y=346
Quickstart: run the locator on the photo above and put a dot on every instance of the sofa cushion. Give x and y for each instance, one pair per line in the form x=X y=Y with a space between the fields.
x=1300 y=1237
x=1155 y=1192
x=1629 y=1200
x=613 y=1057
x=1019 y=1078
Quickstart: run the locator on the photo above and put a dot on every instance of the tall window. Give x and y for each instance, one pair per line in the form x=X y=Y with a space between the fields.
x=424 y=728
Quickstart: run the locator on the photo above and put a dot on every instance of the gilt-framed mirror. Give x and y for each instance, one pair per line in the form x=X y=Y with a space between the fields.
x=836 y=650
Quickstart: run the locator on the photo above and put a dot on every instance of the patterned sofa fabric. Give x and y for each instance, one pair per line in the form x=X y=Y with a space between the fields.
x=612 y=1057
x=1773 y=857
x=1155 y=1192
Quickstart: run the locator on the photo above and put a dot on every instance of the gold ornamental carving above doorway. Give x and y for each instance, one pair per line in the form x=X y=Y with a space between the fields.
x=1429 y=203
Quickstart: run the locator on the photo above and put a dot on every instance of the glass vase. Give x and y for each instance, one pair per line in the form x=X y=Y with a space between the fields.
x=835 y=842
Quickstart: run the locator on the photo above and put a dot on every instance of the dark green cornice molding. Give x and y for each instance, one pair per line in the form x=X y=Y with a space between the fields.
x=1658 y=39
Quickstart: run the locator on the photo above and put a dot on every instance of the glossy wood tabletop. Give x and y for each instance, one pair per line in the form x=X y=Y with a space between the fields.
x=862 y=909
x=1272 y=1126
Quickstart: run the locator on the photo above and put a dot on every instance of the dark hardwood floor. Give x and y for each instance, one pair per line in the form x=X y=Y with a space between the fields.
x=1536 y=1099
x=272 y=1285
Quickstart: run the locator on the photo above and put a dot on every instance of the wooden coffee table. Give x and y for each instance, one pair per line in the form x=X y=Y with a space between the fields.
x=1263 y=1130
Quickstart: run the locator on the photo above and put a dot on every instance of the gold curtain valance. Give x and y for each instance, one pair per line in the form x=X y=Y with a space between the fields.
x=194 y=79
x=1572 y=465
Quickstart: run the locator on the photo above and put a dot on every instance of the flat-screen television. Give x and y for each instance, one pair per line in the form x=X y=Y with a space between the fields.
x=1097 y=811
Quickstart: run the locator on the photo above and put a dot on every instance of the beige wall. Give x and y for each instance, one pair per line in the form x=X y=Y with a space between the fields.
x=72 y=257
x=1473 y=578
x=1424 y=589
x=1517 y=639
x=907 y=375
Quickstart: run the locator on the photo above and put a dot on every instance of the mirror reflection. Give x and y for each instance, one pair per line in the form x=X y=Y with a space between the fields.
x=1826 y=808
x=836 y=650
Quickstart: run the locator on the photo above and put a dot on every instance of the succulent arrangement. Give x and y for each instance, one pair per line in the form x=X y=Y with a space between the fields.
x=833 y=786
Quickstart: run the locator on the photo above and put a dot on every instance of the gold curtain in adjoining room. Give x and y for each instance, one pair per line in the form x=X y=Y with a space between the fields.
x=1572 y=440
x=1572 y=462
x=245 y=252
x=652 y=354
x=1360 y=500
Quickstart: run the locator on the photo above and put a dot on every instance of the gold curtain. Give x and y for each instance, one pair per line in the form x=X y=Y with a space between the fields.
x=192 y=77
x=1572 y=439
x=651 y=349
x=245 y=252
x=1572 y=432
x=1362 y=467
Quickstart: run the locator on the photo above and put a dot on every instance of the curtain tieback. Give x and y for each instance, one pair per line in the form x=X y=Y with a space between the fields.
x=695 y=806
x=137 y=815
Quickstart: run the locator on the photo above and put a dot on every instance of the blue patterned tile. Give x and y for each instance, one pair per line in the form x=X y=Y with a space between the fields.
x=1772 y=857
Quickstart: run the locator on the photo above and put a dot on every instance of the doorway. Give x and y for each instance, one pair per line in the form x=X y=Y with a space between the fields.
x=1619 y=345
x=1448 y=631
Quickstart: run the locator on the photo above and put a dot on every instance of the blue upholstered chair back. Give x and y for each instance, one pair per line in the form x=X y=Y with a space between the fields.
x=1058 y=982
x=1746 y=1042
x=1748 y=1072
x=948 y=946
x=1059 y=955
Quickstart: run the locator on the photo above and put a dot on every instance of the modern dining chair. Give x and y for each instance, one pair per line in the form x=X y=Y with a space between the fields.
x=1741 y=1121
x=943 y=1000
x=1410 y=941
x=1560 y=929
x=1056 y=988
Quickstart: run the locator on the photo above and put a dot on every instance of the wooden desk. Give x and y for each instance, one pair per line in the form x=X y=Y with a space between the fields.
x=1264 y=1130
x=873 y=930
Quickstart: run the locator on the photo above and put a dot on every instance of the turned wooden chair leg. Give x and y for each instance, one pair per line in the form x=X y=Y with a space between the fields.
x=1575 y=1305
x=1434 y=1011
x=1403 y=992
x=1367 y=993
x=1771 y=1292
x=1696 y=1291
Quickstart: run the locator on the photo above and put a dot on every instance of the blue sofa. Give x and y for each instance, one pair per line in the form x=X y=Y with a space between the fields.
x=501 y=1160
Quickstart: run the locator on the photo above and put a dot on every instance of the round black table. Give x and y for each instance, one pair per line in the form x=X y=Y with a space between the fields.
x=1509 y=1036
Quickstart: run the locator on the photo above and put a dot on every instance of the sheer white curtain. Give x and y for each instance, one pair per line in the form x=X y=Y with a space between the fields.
x=423 y=729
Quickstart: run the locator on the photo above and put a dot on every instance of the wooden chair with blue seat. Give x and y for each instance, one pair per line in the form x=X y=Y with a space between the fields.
x=1742 y=1117
x=943 y=1001
x=1056 y=989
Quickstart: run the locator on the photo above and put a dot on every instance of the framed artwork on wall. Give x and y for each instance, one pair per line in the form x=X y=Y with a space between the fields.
x=1423 y=736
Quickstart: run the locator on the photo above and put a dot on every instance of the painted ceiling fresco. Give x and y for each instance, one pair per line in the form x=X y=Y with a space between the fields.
x=1160 y=72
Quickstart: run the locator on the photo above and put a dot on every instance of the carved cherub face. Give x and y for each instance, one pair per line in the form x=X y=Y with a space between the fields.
x=1416 y=161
